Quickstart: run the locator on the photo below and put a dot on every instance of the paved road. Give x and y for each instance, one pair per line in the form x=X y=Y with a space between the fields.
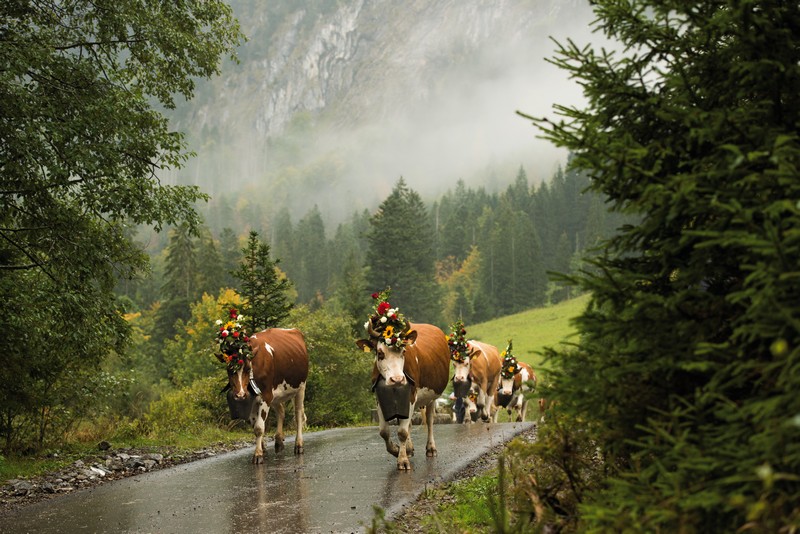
x=331 y=488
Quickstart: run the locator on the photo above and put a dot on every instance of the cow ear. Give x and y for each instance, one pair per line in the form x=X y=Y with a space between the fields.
x=410 y=337
x=365 y=345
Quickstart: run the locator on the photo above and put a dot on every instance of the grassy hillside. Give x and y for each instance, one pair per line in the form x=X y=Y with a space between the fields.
x=531 y=330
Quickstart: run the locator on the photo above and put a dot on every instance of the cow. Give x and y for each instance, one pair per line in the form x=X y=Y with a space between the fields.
x=476 y=366
x=515 y=386
x=410 y=371
x=276 y=374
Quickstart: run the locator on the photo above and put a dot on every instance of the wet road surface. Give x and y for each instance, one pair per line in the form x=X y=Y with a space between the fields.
x=330 y=488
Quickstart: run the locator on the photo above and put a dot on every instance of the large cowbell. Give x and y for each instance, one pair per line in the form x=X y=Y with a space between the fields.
x=503 y=399
x=461 y=389
x=395 y=400
x=240 y=408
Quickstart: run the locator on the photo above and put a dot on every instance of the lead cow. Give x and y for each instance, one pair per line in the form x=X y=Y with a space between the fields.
x=410 y=371
x=275 y=373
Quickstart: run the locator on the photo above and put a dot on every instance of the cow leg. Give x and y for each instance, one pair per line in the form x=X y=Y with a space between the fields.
x=259 y=420
x=430 y=414
x=280 y=414
x=523 y=409
x=299 y=418
x=487 y=416
x=403 y=433
x=391 y=447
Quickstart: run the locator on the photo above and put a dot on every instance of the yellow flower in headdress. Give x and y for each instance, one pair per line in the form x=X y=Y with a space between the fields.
x=388 y=332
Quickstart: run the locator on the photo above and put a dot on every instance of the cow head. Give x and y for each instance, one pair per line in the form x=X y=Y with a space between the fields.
x=389 y=347
x=471 y=401
x=459 y=353
x=235 y=352
x=389 y=333
x=239 y=370
x=509 y=369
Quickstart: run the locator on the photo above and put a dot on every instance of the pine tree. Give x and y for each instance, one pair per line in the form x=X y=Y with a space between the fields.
x=264 y=290
x=231 y=254
x=687 y=371
x=181 y=265
x=400 y=254
x=311 y=255
x=210 y=270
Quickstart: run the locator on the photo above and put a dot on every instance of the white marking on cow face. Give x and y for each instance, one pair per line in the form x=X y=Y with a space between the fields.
x=238 y=380
x=390 y=362
x=461 y=370
x=507 y=385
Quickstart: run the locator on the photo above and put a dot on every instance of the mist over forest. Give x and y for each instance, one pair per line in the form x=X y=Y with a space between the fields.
x=331 y=103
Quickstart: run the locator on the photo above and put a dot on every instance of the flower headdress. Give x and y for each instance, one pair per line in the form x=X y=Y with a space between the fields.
x=510 y=365
x=233 y=340
x=387 y=322
x=457 y=340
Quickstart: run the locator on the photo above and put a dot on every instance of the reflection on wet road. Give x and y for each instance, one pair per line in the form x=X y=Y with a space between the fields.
x=331 y=488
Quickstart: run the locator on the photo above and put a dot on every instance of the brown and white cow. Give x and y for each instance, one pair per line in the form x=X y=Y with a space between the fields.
x=479 y=368
x=276 y=374
x=513 y=391
x=416 y=370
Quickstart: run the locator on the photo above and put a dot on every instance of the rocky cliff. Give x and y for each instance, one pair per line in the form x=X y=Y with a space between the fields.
x=421 y=88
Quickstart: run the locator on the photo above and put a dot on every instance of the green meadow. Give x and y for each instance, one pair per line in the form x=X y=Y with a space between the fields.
x=532 y=330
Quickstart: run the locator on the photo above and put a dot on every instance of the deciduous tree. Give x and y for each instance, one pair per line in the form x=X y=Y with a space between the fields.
x=80 y=152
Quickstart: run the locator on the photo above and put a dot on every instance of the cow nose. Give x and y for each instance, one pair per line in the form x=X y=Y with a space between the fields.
x=397 y=379
x=240 y=395
x=506 y=392
x=458 y=379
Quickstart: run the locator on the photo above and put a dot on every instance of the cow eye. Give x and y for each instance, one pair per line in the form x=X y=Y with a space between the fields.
x=380 y=354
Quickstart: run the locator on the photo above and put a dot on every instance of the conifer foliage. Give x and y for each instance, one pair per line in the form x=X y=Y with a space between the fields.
x=400 y=253
x=689 y=366
x=262 y=286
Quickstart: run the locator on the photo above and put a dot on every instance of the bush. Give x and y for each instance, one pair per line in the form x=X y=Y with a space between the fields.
x=338 y=390
x=183 y=409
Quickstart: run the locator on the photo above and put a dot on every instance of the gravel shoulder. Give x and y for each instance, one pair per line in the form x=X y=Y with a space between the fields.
x=102 y=467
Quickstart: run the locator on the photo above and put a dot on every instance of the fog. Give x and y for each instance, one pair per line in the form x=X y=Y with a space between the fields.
x=458 y=121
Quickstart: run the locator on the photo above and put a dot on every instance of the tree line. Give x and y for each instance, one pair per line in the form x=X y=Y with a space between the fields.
x=469 y=254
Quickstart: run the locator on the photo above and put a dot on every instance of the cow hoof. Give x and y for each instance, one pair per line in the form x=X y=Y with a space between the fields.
x=278 y=446
x=298 y=449
x=430 y=453
x=258 y=459
x=404 y=465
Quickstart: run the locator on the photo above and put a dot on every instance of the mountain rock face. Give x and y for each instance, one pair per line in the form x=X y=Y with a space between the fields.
x=368 y=80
